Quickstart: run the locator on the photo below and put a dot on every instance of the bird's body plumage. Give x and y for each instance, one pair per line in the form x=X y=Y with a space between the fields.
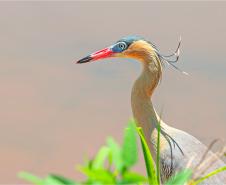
x=192 y=149
x=176 y=147
x=147 y=118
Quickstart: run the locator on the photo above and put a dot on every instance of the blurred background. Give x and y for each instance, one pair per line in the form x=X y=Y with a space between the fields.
x=54 y=114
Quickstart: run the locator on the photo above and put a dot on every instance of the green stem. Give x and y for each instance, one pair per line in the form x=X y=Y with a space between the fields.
x=158 y=153
x=209 y=175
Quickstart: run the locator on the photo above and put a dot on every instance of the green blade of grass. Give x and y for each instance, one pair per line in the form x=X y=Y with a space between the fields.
x=52 y=180
x=30 y=178
x=149 y=162
x=58 y=179
x=158 y=152
x=209 y=175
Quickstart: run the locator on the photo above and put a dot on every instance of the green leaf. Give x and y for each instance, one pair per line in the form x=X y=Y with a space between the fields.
x=132 y=177
x=150 y=165
x=129 y=148
x=49 y=180
x=115 y=153
x=100 y=158
x=31 y=178
x=57 y=179
x=210 y=175
x=98 y=175
x=180 y=178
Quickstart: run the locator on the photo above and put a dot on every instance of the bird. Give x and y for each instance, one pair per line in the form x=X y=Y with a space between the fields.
x=177 y=148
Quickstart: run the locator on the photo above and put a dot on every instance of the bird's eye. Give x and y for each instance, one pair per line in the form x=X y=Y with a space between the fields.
x=119 y=47
x=122 y=45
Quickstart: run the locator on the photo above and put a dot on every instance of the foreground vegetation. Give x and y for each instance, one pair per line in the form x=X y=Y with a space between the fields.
x=113 y=165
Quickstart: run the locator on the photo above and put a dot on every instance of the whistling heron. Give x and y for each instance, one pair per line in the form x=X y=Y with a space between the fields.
x=176 y=146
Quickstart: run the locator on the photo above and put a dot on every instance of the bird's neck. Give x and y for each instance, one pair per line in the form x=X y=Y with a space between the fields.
x=143 y=88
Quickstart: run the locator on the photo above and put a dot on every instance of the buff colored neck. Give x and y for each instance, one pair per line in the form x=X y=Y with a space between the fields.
x=143 y=110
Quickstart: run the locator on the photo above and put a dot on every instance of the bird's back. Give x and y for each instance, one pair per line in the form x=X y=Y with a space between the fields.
x=192 y=149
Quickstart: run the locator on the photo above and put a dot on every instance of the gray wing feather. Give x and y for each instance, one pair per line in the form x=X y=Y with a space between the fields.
x=191 y=147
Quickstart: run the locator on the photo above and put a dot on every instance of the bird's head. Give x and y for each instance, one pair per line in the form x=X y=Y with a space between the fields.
x=133 y=47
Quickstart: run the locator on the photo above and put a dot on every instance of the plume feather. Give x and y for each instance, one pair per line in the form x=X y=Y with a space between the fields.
x=173 y=58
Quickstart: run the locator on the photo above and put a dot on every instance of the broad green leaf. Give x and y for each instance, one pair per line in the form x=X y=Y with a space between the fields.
x=98 y=175
x=149 y=162
x=180 y=178
x=100 y=158
x=129 y=148
x=115 y=153
x=210 y=175
x=31 y=178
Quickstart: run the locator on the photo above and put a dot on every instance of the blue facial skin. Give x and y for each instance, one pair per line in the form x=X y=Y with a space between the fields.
x=124 y=43
x=130 y=39
x=119 y=47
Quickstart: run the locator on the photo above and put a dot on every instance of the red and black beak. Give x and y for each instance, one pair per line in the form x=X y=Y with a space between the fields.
x=104 y=53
